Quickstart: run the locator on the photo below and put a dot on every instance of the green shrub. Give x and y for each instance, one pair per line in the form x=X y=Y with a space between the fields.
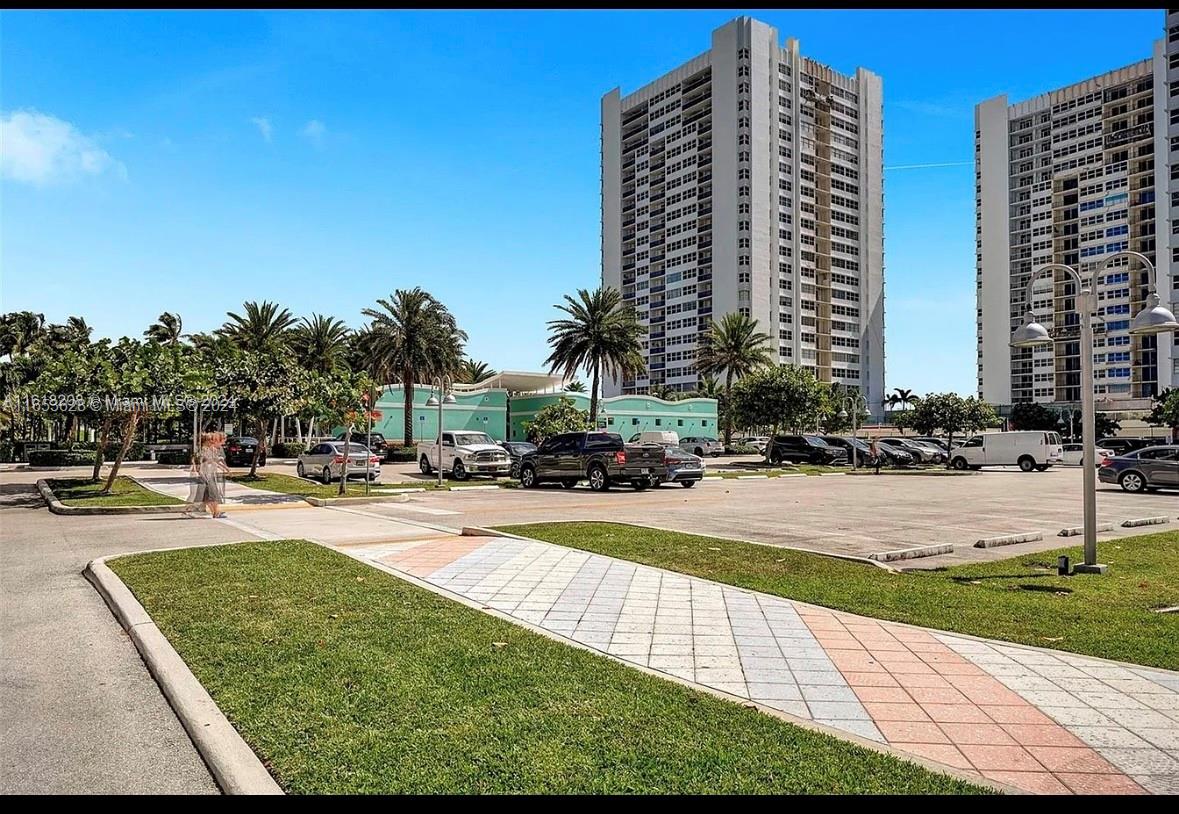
x=401 y=454
x=7 y=452
x=742 y=450
x=174 y=456
x=288 y=449
x=60 y=457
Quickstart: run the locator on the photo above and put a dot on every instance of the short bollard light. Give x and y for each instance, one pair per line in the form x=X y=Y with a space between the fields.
x=1062 y=566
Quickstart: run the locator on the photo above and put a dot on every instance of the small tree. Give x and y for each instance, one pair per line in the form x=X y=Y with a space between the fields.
x=839 y=398
x=902 y=420
x=779 y=397
x=1032 y=416
x=1165 y=412
x=264 y=385
x=561 y=416
x=341 y=400
x=979 y=415
x=945 y=411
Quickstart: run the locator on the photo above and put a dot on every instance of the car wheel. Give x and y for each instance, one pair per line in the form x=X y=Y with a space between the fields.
x=1027 y=464
x=688 y=484
x=424 y=465
x=302 y=473
x=599 y=481
x=458 y=471
x=528 y=477
x=640 y=484
x=698 y=452
x=568 y=483
x=326 y=474
x=959 y=464
x=1132 y=482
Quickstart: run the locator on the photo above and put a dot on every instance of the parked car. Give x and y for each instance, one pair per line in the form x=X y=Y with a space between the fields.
x=661 y=437
x=758 y=442
x=1143 y=470
x=683 y=468
x=805 y=449
x=863 y=452
x=373 y=440
x=940 y=456
x=239 y=451
x=600 y=457
x=895 y=455
x=921 y=453
x=1121 y=446
x=1028 y=449
x=940 y=443
x=1073 y=453
x=517 y=450
x=702 y=445
x=465 y=453
x=325 y=460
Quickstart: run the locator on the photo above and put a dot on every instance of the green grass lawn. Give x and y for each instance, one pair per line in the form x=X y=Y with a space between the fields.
x=345 y=679
x=1020 y=599
x=291 y=485
x=124 y=492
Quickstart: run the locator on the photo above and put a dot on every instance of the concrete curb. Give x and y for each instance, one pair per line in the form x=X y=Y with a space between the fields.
x=1076 y=531
x=57 y=507
x=232 y=763
x=912 y=553
x=1008 y=539
x=1146 y=521
x=352 y=501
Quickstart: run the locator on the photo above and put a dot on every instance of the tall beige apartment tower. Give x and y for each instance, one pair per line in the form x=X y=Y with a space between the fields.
x=1073 y=176
x=749 y=179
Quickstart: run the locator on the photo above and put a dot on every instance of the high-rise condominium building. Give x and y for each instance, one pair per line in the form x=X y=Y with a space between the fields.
x=1074 y=176
x=749 y=180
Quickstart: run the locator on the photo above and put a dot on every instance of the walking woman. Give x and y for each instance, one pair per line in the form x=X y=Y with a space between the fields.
x=209 y=467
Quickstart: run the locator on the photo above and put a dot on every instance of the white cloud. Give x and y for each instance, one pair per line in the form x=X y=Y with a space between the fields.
x=314 y=131
x=264 y=127
x=41 y=150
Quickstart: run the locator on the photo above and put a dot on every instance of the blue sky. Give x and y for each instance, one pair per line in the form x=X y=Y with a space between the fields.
x=188 y=161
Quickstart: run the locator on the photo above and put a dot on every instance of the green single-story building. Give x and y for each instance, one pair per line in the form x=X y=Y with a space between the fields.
x=504 y=404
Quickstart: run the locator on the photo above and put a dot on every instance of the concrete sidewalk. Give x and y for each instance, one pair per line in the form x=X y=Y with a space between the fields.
x=179 y=484
x=1040 y=720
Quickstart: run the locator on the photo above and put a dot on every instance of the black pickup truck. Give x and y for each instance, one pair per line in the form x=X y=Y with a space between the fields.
x=602 y=458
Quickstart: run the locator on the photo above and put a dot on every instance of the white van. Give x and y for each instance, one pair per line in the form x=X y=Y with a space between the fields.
x=664 y=438
x=1027 y=450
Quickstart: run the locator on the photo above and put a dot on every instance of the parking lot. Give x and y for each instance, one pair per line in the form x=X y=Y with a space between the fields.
x=844 y=514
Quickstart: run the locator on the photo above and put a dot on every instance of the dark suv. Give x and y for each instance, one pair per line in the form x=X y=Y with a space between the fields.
x=375 y=441
x=602 y=458
x=805 y=449
x=1121 y=446
x=239 y=451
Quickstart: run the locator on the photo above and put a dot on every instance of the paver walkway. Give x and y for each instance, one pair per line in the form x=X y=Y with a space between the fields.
x=1040 y=720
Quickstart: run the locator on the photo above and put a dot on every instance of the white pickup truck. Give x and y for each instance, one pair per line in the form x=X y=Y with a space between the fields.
x=464 y=454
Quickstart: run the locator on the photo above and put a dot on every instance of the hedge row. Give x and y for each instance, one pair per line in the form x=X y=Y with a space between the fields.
x=60 y=457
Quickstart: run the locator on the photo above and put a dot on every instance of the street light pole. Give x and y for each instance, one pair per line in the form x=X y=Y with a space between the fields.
x=856 y=399
x=1151 y=320
x=444 y=396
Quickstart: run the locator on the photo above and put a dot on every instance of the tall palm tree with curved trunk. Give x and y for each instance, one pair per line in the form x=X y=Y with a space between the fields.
x=734 y=346
x=473 y=372
x=601 y=335
x=263 y=328
x=168 y=329
x=320 y=343
x=418 y=338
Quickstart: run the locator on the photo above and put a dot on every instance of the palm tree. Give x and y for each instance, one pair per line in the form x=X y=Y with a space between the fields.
x=735 y=347
x=19 y=330
x=709 y=388
x=473 y=372
x=321 y=343
x=905 y=398
x=663 y=391
x=263 y=329
x=601 y=335
x=575 y=386
x=418 y=339
x=167 y=329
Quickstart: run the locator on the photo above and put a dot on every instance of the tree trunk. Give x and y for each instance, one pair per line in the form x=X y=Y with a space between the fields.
x=407 y=405
x=728 y=413
x=258 y=447
x=132 y=422
x=98 y=450
x=593 y=415
x=299 y=429
x=949 y=448
x=344 y=466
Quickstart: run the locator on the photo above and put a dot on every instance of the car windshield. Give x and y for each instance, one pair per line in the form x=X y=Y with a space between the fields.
x=353 y=449
x=815 y=441
x=466 y=439
x=522 y=448
x=857 y=443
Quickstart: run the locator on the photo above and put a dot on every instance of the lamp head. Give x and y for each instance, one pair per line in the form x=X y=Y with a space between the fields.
x=432 y=401
x=842 y=414
x=1154 y=318
x=1030 y=334
x=449 y=399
